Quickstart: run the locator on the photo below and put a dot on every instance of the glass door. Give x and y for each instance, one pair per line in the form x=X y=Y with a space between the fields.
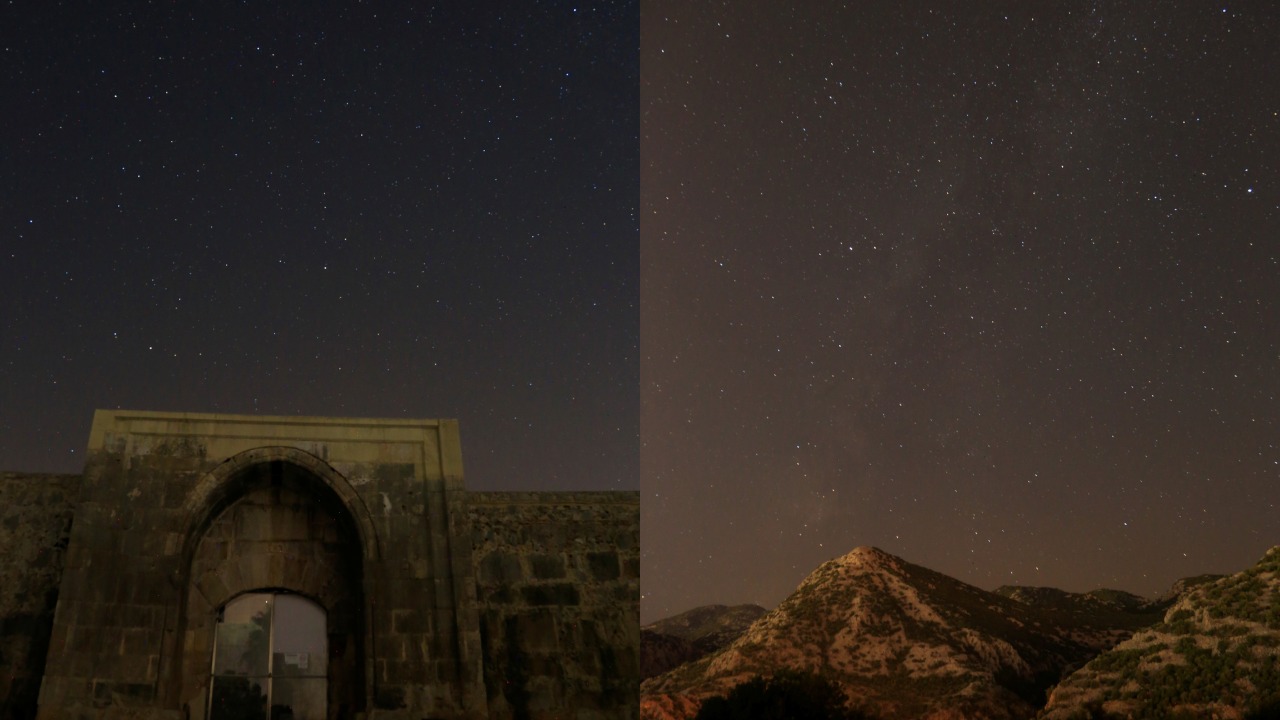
x=270 y=654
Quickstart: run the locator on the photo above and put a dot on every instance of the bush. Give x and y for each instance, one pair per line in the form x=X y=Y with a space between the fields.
x=1119 y=660
x=1268 y=709
x=789 y=695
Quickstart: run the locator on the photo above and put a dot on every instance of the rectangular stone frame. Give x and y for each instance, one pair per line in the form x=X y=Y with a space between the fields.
x=117 y=623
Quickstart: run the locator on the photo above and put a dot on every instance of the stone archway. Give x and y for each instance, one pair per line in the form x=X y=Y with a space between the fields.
x=227 y=480
x=275 y=519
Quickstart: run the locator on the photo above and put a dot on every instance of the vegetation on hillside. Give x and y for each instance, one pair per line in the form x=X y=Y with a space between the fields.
x=789 y=695
x=1218 y=647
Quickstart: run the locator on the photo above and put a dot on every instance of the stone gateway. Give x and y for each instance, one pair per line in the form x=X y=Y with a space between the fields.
x=226 y=566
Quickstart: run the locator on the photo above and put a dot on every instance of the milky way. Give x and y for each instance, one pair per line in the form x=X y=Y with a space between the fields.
x=993 y=288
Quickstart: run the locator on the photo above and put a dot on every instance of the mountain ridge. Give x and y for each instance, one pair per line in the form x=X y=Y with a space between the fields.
x=889 y=631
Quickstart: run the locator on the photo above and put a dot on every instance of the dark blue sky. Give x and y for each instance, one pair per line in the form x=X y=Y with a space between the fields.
x=406 y=210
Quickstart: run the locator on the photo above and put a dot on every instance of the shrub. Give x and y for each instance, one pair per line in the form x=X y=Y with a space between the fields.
x=789 y=695
x=1118 y=660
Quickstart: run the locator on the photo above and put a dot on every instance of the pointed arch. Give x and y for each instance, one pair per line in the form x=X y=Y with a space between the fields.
x=222 y=485
x=221 y=489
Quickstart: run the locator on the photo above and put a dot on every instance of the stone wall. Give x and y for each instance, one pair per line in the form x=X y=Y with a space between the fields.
x=35 y=522
x=131 y=636
x=439 y=602
x=558 y=587
x=316 y=555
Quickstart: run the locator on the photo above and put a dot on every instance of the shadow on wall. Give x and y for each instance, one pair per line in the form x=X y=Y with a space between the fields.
x=36 y=511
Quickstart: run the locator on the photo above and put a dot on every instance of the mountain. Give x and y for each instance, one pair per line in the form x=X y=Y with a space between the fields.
x=1216 y=654
x=907 y=642
x=688 y=636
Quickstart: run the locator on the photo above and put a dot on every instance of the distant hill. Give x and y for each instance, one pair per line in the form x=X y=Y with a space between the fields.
x=1216 y=654
x=907 y=642
x=711 y=627
x=688 y=636
x=660 y=653
x=1092 y=602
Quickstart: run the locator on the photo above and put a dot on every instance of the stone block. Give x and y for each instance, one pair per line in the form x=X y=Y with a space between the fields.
x=498 y=595
x=407 y=621
x=603 y=566
x=176 y=493
x=128 y=693
x=438 y=645
x=74 y=638
x=296 y=571
x=536 y=632
x=389 y=697
x=131 y=668
x=101 y=693
x=213 y=587
x=81 y=664
x=198 y=641
x=253 y=522
x=147 y=588
x=78 y=556
x=275 y=568
x=588 y=631
x=214 y=549
x=547 y=567
x=499 y=568
x=253 y=569
x=138 y=641
x=626 y=594
x=551 y=594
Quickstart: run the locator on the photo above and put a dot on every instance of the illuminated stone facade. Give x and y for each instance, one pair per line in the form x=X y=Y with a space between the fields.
x=437 y=602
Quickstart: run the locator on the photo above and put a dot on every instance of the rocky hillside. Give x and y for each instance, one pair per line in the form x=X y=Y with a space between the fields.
x=660 y=653
x=908 y=642
x=688 y=636
x=1216 y=654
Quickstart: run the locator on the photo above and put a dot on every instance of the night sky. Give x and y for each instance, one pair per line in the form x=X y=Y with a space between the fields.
x=991 y=286
x=343 y=209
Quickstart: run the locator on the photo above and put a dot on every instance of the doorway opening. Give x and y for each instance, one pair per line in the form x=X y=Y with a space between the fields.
x=277 y=536
x=270 y=659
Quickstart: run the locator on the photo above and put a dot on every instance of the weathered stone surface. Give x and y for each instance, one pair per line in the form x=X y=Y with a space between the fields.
x=35 y=522
x=439 y=602
x=547 y=567
x=565 y=633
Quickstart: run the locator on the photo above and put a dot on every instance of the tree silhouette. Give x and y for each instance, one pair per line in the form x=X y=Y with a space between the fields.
x=238 y=698
x=789 y=695
x=1267 y=709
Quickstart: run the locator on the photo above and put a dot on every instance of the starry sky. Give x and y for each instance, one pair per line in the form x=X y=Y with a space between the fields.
x=369 y=210
x=994 y=287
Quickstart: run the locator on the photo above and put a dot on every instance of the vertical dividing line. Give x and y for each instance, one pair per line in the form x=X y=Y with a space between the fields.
x=213 y=666
x=271 y=651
